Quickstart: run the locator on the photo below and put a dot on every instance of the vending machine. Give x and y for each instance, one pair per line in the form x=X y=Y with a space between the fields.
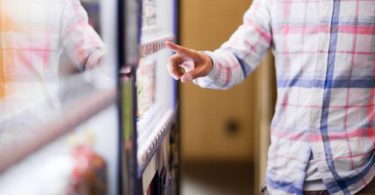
x=149 y=98
x=112 y=129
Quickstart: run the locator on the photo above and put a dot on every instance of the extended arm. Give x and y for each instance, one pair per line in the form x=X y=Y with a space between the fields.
x=80 y=41
x=234 y=60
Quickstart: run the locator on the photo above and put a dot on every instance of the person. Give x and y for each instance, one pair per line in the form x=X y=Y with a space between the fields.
x=323 y=129
x=33 y=37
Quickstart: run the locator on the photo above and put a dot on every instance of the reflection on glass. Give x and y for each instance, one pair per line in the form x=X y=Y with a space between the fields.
x=93 y=10
x=54 y=80
x=33 y=35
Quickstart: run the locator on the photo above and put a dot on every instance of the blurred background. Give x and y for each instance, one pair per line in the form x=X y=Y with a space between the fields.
x=224 y=133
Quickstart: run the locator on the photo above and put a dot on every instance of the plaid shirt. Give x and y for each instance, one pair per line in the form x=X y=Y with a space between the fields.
x=325 y=62
x=33 y=35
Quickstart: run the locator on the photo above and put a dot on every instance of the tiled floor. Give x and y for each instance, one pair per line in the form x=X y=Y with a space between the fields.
x=217 y=179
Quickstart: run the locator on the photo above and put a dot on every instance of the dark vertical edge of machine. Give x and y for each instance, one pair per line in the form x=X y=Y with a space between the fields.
x=177 y=30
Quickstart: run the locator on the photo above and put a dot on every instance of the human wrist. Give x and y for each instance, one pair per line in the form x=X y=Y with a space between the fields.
x=207 y=61
x=211 y=64
x=212 y=70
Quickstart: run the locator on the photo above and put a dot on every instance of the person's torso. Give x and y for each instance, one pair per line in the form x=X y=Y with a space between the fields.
x=325 y=63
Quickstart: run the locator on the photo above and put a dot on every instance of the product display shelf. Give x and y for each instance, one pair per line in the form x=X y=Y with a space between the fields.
x=149 y=97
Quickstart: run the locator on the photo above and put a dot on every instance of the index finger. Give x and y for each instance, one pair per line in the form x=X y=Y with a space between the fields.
x=180 y=49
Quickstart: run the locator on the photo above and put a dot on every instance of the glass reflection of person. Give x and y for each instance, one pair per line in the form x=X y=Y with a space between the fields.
x=33 y=35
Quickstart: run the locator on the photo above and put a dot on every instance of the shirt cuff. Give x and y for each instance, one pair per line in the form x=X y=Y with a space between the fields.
x=212 y=75
x=94 y=59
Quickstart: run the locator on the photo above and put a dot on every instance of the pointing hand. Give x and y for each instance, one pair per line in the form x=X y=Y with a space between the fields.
x=187 y=64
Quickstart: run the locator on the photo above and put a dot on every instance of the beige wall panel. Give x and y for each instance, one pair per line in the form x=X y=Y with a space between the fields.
x=265 y=108
x=206 y=24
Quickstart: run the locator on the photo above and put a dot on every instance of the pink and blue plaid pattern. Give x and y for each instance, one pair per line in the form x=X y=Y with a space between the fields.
x=325 y=62
x=33 y=35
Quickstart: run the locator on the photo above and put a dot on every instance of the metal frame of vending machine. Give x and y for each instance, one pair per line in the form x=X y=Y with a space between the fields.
x=167 y=136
